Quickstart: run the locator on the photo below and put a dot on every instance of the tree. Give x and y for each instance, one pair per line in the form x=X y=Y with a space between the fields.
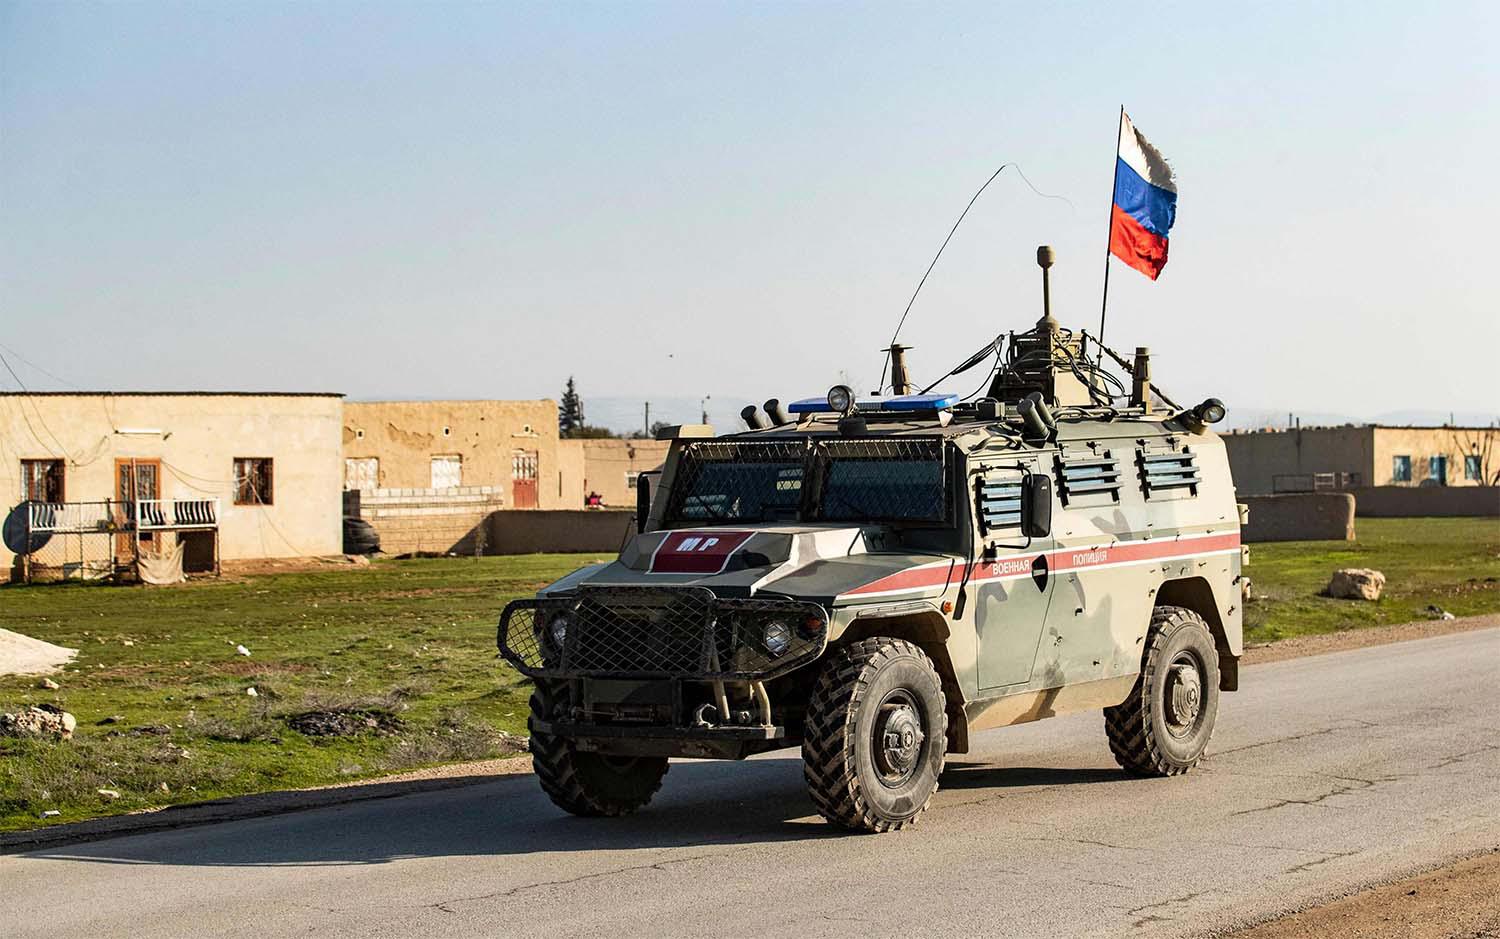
x=569 y=411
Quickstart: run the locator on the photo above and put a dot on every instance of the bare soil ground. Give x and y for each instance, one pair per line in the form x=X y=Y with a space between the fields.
x=1460 y=901
x=1321 y=643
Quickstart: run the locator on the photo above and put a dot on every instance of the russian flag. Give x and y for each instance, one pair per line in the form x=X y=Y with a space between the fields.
x=1145 y=203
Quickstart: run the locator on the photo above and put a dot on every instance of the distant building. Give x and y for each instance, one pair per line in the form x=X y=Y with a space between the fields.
x=1355 y=456
x=228 y=475
x=608 y=468
x=426 y=474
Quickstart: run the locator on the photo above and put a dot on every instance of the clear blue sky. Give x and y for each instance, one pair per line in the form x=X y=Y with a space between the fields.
x=434 y=200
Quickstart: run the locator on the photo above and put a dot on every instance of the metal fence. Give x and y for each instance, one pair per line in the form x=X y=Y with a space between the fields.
x=101 y=540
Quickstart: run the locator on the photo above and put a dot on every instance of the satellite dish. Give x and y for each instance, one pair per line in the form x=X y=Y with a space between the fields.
x=14 y=531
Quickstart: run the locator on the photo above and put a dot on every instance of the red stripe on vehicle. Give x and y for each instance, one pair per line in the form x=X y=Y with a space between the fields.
x=1058 y=561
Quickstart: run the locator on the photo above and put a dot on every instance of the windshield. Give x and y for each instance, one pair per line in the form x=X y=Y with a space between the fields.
x=845 y=480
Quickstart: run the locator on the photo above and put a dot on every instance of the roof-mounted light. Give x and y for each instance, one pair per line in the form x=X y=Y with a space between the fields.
x=929 y=402
x=841 y=399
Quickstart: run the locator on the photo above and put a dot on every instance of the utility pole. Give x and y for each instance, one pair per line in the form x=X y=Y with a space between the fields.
x=703 y=409
x=648 y=419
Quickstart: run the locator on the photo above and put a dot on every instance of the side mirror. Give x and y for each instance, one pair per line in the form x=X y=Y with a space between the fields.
x=642 y=502
x=1036 y=506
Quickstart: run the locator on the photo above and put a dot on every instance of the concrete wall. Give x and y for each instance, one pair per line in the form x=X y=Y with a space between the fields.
x=1420 y=501
x=405 y=436
x=441 y=520
x=197 y=438
x=1258 y=457
x=1310 y=516
x=601 y=530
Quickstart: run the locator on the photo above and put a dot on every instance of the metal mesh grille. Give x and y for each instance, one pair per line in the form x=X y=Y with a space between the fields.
x=649 y=632
x=739 y=481
x=897 y=478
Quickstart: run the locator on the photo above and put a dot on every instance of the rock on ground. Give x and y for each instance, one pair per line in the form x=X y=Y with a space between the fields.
x=37 y=722
x=23 y=655
x=1356 y=583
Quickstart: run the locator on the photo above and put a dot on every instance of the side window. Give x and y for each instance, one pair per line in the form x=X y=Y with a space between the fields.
x=253 y=481
x=1166 y=470
x=1401 y=468
x=42 y=480
x=1473 y=467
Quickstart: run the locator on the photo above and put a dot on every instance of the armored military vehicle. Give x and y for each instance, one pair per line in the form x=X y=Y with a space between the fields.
x=877 y=579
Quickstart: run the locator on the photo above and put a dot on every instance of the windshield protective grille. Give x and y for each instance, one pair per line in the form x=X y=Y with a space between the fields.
x=887 y=479
x=725 y=480
x=878 y=480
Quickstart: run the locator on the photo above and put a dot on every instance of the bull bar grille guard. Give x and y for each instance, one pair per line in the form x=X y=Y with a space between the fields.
x=682 y=633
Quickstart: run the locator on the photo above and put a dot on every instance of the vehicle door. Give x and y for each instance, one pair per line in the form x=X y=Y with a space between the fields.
x=1012 y=583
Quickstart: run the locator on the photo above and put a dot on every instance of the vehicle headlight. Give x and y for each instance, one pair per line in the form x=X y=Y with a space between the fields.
x=777 y=637
x=557 y=629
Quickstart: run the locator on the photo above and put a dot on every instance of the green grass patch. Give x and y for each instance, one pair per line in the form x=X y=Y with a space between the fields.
x=1449 y=563
x=358 y=671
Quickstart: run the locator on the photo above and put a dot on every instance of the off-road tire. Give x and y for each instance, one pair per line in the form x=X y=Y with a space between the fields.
x=1141 y=730
x=583 y=783
x=839 y=759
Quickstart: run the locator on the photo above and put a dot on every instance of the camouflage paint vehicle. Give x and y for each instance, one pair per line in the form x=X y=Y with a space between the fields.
x=876 y=581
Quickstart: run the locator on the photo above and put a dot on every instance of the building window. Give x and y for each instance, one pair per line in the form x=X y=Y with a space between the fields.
x=1437 y=469
x=631 y=476
x=1401 y=469
x=252 y=480
x=362 y=473
x=42 y=480
x=1473 y=468
x=447 y=472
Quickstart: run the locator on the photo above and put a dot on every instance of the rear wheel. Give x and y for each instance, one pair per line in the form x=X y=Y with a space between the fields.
x=1164 y=726
x=875 y=736
x=590 y=784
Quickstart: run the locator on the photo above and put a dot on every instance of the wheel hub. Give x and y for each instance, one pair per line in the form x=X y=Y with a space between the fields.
x=1184 y=695
x=898 y=740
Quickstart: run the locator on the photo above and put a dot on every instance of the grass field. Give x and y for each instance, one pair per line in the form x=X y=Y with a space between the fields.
x=360 y=671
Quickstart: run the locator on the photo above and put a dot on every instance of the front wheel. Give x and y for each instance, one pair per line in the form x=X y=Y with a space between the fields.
x=589 y=784
x=1164 y=726
x=875 y=735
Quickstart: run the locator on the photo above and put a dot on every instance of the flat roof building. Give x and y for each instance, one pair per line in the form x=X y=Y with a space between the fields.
x=260 y=471
x=1301 y=459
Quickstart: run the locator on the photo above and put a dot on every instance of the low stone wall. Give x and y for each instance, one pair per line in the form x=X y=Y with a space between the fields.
x=1302 y=516
x=440 y=520
x=1417 y=501
x=549 y=530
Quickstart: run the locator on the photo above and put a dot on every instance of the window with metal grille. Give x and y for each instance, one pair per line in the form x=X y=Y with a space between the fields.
x=895 y=479
x=999 y=502
x=1088 y=475
x=865 y=480
x=42 y=480
x=252 y=480
x=1168 y=471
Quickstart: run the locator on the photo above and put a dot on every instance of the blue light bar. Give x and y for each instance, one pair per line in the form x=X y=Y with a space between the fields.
x=898 y=403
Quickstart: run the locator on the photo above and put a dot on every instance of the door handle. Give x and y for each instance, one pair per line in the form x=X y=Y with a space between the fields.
x=1039 y=571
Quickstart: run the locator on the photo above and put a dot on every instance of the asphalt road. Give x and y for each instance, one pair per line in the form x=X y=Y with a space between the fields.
x=1326 y=774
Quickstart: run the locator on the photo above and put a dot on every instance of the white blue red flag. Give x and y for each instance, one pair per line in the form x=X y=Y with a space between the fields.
x=1145 y=203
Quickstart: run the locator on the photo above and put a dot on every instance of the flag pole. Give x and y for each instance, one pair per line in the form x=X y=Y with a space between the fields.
x=1113 y=191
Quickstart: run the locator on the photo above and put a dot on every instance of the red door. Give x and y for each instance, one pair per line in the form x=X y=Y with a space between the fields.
x=523 y=473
